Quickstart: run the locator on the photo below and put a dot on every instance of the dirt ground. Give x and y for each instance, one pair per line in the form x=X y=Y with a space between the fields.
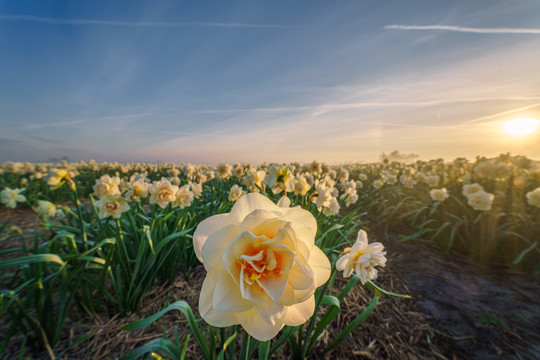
x=458 y=310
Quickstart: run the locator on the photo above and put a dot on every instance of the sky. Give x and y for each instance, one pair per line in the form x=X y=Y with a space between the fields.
x=266 y=81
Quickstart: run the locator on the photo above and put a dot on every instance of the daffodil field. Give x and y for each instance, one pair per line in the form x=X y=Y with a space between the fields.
x=272 y=238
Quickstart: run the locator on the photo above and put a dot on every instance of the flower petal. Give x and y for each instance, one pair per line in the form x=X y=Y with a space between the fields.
x=343 y=262
x=284 y=202
x=211 y=316
x=320 y=265
x=248 y=203
x=300 y=277
x=298 y=314
x=227 y=295
x=292 y=296
x=256 y=327
x=205 y=229
x=299 y=215
x=270 y=312
x=214 y=247
x=362 y=238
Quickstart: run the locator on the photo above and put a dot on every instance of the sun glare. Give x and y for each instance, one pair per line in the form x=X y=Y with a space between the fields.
x=520 y=127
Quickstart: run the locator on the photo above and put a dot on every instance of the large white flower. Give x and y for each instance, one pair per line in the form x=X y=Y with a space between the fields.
x=263 y=266
x=362 y=258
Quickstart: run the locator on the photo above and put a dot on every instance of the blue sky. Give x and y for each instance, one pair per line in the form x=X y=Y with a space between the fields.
x=214 y=81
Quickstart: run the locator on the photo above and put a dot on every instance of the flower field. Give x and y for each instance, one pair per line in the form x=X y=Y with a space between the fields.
x=294 y=257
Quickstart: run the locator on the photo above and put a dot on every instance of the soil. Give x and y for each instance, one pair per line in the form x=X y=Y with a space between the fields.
x=458 y=310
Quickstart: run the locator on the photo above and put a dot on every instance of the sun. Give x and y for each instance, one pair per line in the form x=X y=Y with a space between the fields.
x=520 y=127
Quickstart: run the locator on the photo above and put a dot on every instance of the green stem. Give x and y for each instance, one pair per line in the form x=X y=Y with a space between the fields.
x=81 y=223
x=311 y=324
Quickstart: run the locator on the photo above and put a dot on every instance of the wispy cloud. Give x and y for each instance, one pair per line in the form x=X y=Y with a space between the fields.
x=466 y=29
x=359 y=105
x=138 y=23
x=54 y=124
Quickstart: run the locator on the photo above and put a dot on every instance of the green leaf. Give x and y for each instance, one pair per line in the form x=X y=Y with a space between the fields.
x=225 y=345
x=183 y=307
x=330 y=314
x=359 y=320
x=523 y=253
x=375 y=287
x=31 y=259
x=414 y=236
x=161 y=345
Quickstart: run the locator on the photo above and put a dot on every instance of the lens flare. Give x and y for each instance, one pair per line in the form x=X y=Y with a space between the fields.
x=520 y=127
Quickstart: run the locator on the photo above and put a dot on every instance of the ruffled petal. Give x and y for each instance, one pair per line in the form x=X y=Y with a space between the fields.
x=320 y=265
x=206 y=309
x=227 y=295
x=214 y=247
x=298 y=314
x=249 y=203
x=257 y=327
x=205 y=229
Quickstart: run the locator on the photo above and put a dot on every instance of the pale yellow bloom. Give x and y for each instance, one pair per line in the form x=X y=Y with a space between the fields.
x=263 y=266
x=197 y=189
x=484 y=169
x=162 y=193
x=188 y=170
x=343 y=175
x=210 y=175
x=238 y=170
x=235 y=193
x=350 y=195
x=471 y=189
x=324 y=196
x=253 y=180
x=315 y=168
x=137 y=189
x=106 y=185
x=184 y=197
x=480 y=200
x=377 y=184
x=174 y=172
x=391 y=179
x=439 y=194
x=10 y=197
x=407 y=181
x=502 y=171
x=332 y=208
x=301 y=186
x=56 y=177
x=432 y=180
x=46 y=208
x=362 y=258
x=279 y=179
x=533 y=197
x=224 y=170
x=111 y=205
